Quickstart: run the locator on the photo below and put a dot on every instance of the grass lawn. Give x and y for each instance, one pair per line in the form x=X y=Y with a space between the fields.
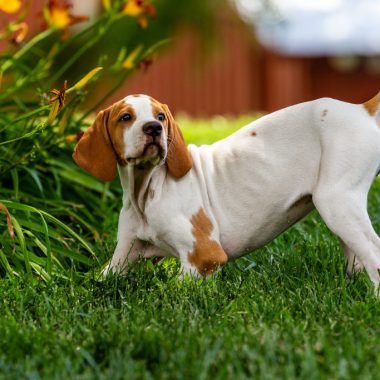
x=285 y=311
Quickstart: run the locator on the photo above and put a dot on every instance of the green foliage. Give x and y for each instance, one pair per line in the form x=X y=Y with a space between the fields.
x=58 y=211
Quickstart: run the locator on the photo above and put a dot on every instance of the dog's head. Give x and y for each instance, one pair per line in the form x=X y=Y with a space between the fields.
x=136 y=130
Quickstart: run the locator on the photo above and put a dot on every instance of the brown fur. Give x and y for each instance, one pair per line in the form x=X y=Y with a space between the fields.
x=156 y=107
x=372 y=105
x=102 y=145
x=207 y=254
x=94 y=152
x=179 y=160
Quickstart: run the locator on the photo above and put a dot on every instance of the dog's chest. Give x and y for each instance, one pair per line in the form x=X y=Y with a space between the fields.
x=156 y=237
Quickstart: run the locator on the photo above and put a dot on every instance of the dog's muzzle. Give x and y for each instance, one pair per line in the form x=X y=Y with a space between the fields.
x=152 y=129
x=154 y=150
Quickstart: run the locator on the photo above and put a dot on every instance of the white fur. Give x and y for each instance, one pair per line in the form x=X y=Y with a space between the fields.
x=250 y=184
x=134 y=138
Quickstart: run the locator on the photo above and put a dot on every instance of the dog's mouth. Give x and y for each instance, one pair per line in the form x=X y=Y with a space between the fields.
x=152 y=154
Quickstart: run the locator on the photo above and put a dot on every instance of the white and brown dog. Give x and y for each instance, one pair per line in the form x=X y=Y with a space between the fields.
x=209 y=204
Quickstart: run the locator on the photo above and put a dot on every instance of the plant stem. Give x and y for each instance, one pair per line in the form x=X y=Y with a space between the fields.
x=34 y=41
x=108 y=93
x=80 y=51
x=30 y=114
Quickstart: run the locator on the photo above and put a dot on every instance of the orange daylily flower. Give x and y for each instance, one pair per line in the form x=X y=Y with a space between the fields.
x=57 y=101
x=10 y=6
x=20 y=32
x=137 y=8
x=59 y=16
x=133 y=8
x=60 y=95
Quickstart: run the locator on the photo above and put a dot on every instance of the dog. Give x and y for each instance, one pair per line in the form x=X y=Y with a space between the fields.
x=207 y=205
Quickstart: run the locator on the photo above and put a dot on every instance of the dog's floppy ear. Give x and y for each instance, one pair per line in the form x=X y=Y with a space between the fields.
x=179 y=159
x=94 y=152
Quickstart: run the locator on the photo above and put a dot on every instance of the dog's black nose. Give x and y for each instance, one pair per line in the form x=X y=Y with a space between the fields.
x=152 y=129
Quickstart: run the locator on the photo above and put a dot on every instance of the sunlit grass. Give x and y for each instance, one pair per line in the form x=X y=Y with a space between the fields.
x=207 y=131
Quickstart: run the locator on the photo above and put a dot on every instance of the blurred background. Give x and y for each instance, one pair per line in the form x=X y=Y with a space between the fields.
x=238 y=56
x=270 y=54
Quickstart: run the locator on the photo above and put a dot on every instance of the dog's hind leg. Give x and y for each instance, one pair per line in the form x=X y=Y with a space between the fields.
x=341 y=199
x=350 y=160
x=347 y=217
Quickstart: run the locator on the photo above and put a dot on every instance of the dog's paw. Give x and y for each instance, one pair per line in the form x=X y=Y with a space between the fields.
x=106 y=270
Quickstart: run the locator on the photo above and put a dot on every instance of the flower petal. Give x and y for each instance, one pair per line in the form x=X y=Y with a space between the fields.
x=81 y=83
x=142 y=21
x=129 y=63
x=133 y=8
x=20 y=32
x=10 y=6
x=106 y=4
x=58 y=15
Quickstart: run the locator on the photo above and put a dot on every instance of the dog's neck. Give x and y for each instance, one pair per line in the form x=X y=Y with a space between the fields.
x=135 y=180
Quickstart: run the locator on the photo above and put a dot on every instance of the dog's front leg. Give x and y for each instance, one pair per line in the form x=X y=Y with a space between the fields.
x=197 y=246
x=129 y=247
x=127 y=252
x=203 y=259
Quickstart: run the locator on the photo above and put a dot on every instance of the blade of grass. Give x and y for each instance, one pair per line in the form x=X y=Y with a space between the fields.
x=23 y=207
x=21 y=238
x=5 y=263
x=48 y=247
x=15 y=179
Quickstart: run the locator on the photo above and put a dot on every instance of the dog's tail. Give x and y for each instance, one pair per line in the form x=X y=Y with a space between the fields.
x=373 y=107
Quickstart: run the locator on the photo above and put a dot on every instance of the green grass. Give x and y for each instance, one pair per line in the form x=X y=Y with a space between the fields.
x=285 y=311
x=206 y=131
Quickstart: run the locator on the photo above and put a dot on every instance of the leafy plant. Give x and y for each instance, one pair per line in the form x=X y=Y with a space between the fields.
x=50 y=84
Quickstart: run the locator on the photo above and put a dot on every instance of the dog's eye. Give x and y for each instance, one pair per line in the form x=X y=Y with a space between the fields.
x=126 y=117
x=161 y=117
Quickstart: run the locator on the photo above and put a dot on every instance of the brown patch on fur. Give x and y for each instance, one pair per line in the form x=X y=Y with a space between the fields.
x=102 y=145
x=157 y=108
x=207 y=254
x=253 y=133
x=372 y=105
x=117 y=127
x=179 y=159
x=151 y=193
